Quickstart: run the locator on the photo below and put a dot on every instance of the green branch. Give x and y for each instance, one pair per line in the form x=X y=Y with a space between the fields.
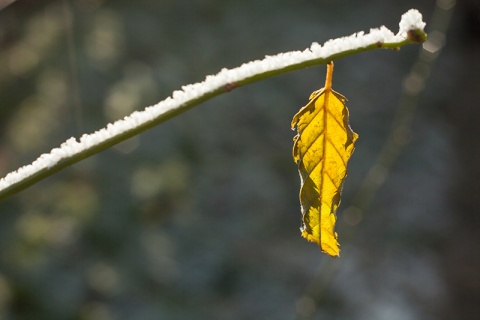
x=59 y=159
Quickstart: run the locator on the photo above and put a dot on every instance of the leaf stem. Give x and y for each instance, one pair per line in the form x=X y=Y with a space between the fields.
x=328 y=80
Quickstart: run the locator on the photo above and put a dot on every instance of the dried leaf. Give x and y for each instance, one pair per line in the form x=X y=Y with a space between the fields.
x=321 y=149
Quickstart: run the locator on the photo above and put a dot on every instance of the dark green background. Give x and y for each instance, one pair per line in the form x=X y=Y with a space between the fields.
x=198 y=218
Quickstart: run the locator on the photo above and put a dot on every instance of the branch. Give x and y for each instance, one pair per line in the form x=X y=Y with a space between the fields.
x=72 y=151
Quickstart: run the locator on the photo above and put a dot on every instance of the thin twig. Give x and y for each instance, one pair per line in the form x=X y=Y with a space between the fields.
x=72 y=151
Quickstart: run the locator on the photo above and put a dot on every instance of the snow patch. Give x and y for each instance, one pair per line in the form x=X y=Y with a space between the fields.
x=411 y=20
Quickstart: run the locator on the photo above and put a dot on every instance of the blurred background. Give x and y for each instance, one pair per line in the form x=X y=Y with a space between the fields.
x=199 y=217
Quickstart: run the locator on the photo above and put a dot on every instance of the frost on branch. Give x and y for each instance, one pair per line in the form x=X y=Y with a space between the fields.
x=411 y=20
x=71 y=151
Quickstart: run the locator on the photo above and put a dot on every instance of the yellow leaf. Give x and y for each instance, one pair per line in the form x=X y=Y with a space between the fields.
x=321 y=149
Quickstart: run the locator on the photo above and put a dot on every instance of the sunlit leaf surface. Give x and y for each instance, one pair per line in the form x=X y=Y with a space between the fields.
x=321 y=149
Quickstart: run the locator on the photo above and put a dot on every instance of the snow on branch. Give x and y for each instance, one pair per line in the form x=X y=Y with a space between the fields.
x=73 y=150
